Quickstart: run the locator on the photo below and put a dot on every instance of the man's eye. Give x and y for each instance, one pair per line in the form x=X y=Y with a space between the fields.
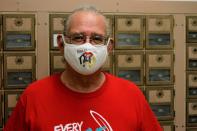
x=98 y=39
x=78 y=38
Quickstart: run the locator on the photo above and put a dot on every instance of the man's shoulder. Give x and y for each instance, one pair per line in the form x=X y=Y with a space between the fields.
x=122 y=84
x=44 y=83
x=118 y=81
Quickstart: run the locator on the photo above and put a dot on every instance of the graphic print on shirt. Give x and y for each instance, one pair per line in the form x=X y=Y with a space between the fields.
x=103 y=125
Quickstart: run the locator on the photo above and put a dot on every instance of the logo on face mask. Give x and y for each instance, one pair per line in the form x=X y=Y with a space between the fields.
x=87 y=59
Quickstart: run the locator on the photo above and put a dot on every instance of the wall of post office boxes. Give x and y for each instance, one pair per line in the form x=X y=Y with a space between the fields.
x=144 y=52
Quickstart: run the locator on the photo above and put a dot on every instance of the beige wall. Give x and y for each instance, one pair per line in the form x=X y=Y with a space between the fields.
x=134 y=6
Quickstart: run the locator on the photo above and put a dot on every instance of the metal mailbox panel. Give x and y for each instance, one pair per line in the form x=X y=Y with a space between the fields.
x=191 y=84
x=57 y=62
x=128 y=23
x=19 y=31
x=160 y=94
x=159 y=76
x=128 y=32
x=125 y=40
x=164 y=111
x=167 y=126
x=191 y=29
x=159 y=59
x=192 y=51
x=192 y=57
x=11 y=98
x=129 y=59
x=18 y=41
x=159 y=67
x=159 y=32
x=18 y=22
x=159 y=23
x=19 y=69
x=134 y=75
x=57 y=22
x=19 y=61
x=18 y=78
x=191 y=112
x=159 y=40
x=129 y=65
x=161 y=100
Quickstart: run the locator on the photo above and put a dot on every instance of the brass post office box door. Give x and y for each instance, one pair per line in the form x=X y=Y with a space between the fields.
x=129 y=32
x=18 y=24
x=11 y=98
x=159 y=67
x=57 y=61
x=19 y=61
x=128 y=23
x=192 y=79
x=129 y=65
x=57 y=22
x=19 y=31
x=192 y=108
x=159 y=32
x=19 y=69
x=159 y=23
x=129 y=59
x=192 y=23
x=191 y=112
x=160 y=95
x=159 y=59
x=191 y=29
x=161 y=100
x=164 y=111
x=192 y=52
x=191 y=84
x=192 y=57
x=134 y=74
x=158 y=76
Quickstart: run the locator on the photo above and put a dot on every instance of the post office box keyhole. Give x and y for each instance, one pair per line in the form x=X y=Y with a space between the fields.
x=18 y=22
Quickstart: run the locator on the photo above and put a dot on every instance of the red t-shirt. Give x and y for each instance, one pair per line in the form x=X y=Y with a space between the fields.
x=47 y=105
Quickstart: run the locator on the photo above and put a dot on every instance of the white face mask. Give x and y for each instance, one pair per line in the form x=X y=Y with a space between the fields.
x=85 y=59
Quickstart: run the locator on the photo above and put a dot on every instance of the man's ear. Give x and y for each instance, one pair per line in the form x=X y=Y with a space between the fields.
x=60 y=43
x=111 y=45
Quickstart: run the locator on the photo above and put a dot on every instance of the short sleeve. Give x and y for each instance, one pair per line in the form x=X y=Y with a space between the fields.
x=16 y=121
x=149 y=120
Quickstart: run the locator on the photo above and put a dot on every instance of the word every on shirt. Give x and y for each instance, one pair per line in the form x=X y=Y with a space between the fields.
x=74 y=127
x=77 y=126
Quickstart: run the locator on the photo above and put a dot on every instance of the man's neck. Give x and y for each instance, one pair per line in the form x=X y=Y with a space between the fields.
x=82 y=83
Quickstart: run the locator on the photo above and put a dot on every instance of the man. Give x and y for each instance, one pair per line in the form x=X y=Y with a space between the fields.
x=83 y=98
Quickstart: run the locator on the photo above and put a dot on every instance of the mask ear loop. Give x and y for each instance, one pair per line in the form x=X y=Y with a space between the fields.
x=108 y=41
x=63 y=39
